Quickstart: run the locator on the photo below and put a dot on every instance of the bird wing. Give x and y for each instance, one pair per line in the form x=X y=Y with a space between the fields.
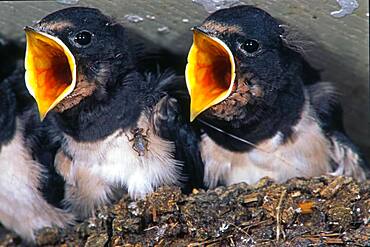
x=346 y=157
x=170 y=121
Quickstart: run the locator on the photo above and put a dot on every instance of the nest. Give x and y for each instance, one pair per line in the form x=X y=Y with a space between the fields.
x=302 y=212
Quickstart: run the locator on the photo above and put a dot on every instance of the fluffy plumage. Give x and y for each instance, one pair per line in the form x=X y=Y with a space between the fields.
x=289 y=120
x=111 y=101
x=24 y=168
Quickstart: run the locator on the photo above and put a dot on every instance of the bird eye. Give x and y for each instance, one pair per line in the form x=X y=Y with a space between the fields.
x=250 y=46
x=83 y=38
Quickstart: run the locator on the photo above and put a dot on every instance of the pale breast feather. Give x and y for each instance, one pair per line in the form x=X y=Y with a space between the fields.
x=305 y=155
x=23 y=208
x=113 y=162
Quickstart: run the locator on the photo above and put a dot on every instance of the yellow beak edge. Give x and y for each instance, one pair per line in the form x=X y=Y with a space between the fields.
x=50 y=70
x=210 y=72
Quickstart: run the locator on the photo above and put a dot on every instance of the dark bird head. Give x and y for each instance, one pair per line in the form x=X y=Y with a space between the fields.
x=71 y=54
x=240 y=70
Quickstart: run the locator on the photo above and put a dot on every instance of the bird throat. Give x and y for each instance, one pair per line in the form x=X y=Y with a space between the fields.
x=83 y=89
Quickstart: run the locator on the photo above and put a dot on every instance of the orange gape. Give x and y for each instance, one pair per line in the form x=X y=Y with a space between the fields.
x=50 y=70
x=210 y=73
x=54 y=77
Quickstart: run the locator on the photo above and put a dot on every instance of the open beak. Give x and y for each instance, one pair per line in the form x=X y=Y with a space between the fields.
x=50 y=70
x=210 y=72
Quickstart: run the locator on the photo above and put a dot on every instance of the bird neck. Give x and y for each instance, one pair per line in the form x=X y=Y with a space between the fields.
x=97 y=116
x=281 y=117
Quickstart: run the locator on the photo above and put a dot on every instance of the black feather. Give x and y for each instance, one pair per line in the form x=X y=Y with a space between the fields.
x=10 y=52
x=7 y=112
x=44 y=146
x=95 y=118
x=172 y=124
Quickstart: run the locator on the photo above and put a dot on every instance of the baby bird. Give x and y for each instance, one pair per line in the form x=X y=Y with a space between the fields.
x=81 y=70
x=258 y=103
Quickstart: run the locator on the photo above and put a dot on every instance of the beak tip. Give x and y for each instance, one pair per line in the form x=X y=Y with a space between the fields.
x=193 y=115
x=28 y=29
x=42 y=113
x=42 y=116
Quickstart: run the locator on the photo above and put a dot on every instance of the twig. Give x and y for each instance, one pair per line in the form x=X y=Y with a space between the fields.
x=242 y=230
x=151 y=228
x=232 y=243
x=239 y=228
x=326 y=240
x=278 y=210
x=248 y=227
